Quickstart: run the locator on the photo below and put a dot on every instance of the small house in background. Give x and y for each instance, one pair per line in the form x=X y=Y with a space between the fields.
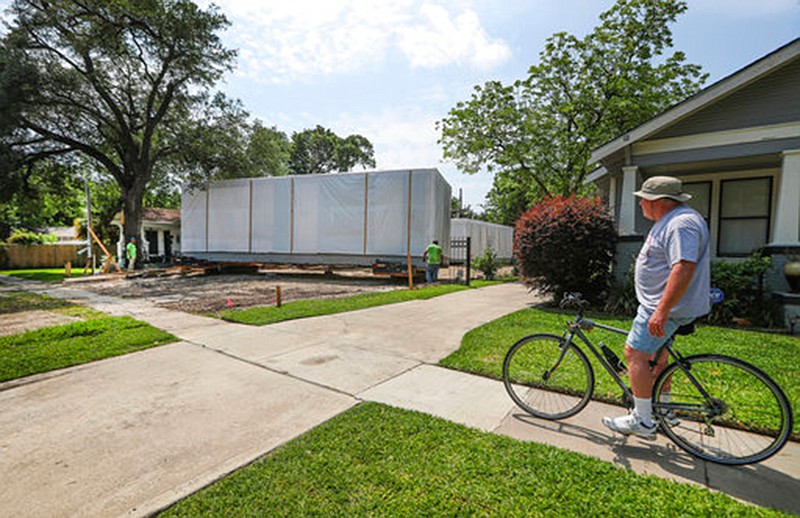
x=736 y=147
x=160 y=240
x=483 y=235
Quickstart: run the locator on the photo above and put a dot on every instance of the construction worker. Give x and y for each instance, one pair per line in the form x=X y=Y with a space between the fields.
x=130 y=253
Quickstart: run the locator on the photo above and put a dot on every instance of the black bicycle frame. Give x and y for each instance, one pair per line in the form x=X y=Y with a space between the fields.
x=576 y=329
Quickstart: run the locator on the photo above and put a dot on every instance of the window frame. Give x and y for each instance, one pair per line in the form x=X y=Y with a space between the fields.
x=720 y=219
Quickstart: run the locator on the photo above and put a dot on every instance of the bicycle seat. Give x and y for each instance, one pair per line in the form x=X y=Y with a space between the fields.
x=686 y=329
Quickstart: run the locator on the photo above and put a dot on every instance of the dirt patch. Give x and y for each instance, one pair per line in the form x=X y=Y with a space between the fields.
x=13 y=323
x=214 y=292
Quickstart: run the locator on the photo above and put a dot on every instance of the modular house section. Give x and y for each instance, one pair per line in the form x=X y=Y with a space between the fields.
x=344 y=218
x=483 y=235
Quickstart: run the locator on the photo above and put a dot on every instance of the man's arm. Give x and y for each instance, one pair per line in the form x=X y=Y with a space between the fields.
x=677 y=283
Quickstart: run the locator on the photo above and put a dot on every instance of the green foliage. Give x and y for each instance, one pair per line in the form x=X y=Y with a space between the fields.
x=24 y=237
x=377 y=460
x=268 y=151
x=41 y=196
x=53 y=348
x=487 y=263
x=622 y=296
x=747 y=300
x=320 y=150
x=43 y=274
x=537 y=133
x=312 y=308
x=566 y=244
x=119 y=84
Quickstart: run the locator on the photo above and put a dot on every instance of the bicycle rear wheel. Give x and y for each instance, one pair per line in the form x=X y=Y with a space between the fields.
x=548 y=378
x=746 y=417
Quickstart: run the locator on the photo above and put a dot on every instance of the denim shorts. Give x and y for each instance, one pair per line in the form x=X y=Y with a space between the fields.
x=640 y=338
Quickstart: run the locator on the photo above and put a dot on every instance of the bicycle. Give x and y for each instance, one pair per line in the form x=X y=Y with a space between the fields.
x=550 y=377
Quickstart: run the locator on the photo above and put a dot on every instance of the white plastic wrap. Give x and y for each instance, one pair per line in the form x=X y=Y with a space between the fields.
x=193 y=220
x=499 y=238
x=272 y=210
x=362 y=216
x=229 y=216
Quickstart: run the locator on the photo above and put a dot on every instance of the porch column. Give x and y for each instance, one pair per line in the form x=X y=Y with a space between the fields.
x=787 y=213
x=627 y=206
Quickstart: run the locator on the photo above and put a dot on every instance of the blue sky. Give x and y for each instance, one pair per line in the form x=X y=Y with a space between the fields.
x=389 y=69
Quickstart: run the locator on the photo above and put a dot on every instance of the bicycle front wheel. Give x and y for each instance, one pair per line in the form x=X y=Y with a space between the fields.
x=722 y=409
x=548 y=377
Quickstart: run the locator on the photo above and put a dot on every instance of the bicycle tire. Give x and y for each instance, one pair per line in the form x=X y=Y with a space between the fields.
x=748 y=418
x=560 y=394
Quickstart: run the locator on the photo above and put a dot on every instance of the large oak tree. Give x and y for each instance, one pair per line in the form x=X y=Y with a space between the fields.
x=123 y=84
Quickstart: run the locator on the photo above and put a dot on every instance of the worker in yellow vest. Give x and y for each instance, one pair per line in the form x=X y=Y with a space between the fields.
x=130 y=253
x=433 y=257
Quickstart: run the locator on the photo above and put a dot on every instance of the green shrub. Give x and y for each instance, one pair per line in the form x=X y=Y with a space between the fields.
x=487 y=264
x=622 y=297
x=566 y=244
x=747 y=299
x=5 y=260
x=26 y=237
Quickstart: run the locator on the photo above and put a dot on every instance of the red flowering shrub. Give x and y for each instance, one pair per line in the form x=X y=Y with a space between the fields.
x=566 y=244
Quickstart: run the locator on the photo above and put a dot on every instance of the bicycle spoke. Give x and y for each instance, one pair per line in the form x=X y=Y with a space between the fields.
x=547 y=380
x=741 y=416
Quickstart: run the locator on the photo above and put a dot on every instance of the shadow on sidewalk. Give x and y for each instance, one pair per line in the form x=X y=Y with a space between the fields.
x=758 y=484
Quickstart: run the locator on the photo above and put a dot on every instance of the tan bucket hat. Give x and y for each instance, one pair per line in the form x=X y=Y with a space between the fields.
x=659 y=187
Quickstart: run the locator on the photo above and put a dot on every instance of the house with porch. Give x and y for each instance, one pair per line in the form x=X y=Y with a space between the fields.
x=736 y=147
x=160 y=240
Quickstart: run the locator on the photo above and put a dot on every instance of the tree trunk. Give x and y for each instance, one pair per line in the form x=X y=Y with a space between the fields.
x=132 y=199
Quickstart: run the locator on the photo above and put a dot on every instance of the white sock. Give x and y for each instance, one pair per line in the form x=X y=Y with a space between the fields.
x=644 y=409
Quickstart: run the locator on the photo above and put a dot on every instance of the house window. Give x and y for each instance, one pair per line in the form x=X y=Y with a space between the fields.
x=743 y=216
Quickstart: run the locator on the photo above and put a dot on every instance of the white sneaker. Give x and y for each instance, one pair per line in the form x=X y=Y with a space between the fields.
x=631 y=425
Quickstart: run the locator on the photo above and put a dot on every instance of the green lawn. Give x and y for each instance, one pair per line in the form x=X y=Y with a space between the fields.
x=311 y=308
x=44 y=274
x=57 y=347
x=97 y=336
x=376 y=460
x=483 y=349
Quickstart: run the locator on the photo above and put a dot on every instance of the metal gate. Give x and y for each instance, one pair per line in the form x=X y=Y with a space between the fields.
x=460 y=259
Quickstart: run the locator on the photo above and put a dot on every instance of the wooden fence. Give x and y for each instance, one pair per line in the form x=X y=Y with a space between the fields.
x=40 y=256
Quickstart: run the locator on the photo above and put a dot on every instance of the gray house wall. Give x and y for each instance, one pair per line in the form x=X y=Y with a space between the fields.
x=769 y=100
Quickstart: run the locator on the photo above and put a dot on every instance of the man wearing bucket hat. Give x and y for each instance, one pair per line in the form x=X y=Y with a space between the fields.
x=672 y=286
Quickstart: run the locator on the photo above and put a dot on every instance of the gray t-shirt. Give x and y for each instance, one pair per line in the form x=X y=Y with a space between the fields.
x=682 y=234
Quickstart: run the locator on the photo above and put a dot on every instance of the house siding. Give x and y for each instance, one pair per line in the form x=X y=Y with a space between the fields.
x=769 y=151
x=774 y=99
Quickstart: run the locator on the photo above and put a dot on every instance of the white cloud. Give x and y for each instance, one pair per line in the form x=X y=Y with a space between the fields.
x=440 y=39
x=283 y=41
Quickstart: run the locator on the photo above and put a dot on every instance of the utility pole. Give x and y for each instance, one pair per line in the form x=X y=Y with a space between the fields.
x=89 y=256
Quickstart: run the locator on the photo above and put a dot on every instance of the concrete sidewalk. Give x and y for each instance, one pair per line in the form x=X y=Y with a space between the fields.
x=132 y=434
